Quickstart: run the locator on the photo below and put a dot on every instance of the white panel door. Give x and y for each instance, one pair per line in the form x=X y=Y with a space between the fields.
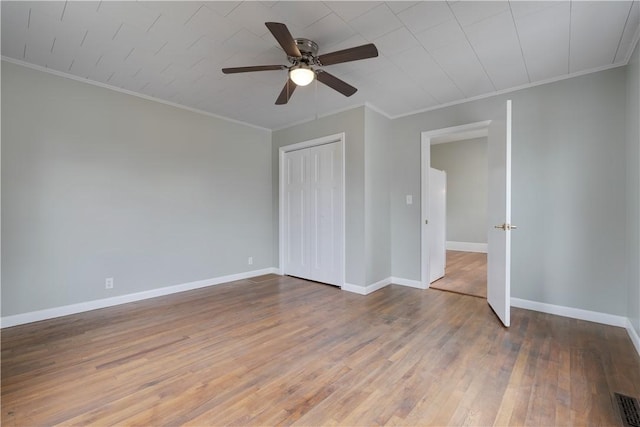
x=325 y=210
x=296 y=194
x=313 y=217
x=499 y=215
x=438 y=223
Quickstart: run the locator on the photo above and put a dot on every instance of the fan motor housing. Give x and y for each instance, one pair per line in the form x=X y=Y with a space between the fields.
x=306 y=46
x=308 y=49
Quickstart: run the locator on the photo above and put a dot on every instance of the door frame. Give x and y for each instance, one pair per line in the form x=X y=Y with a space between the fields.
x=425 y=146
x=338 y=138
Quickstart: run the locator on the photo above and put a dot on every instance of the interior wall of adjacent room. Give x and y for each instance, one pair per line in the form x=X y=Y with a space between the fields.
x=97 y=184
x=568 y=180
x=633 y=188
x=465 y=163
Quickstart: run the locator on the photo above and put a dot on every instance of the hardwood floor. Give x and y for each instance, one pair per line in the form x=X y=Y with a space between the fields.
x=465 y=273
x=279 y=350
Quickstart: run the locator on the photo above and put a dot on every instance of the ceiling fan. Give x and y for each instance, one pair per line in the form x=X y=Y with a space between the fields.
x=303 y=56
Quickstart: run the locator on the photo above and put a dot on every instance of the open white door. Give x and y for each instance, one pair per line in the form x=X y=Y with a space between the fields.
x=499 y=215
x=437 y=223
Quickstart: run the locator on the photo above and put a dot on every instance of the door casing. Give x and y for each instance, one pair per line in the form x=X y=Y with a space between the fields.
x=425 y=144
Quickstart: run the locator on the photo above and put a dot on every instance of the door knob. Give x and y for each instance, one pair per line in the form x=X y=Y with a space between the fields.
x=506 y=227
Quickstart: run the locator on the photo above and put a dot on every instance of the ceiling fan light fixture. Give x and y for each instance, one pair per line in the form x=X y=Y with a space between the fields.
x=302 y=54
x=302 y=75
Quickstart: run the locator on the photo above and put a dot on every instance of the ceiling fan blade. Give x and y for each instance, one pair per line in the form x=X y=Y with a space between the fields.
x=254 y=68
x=286 y=93
x=284 y=38
x=335 y=83
x=352 y=54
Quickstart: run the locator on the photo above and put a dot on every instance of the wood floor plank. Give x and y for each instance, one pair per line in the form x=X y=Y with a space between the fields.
x=280 y=350
x=465 y=273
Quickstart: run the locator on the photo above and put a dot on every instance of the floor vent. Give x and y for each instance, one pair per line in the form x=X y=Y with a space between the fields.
x=629 y=410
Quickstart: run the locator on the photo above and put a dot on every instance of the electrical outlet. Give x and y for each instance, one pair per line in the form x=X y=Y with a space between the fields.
x=108 y=283
x=250 y=260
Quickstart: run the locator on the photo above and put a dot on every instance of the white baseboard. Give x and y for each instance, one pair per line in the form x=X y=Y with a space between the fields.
x=407 y=282
x=50 y=313
x=378 y=285
x=467 y=247
x=578 y=313
x=356 y=289
x=633 y=334
x=574 y=313
x=366 y=290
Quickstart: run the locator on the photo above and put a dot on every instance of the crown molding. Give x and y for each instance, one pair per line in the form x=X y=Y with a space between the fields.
x=126 y=92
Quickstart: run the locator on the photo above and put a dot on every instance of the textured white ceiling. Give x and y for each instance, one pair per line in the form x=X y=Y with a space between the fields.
x=431 y=53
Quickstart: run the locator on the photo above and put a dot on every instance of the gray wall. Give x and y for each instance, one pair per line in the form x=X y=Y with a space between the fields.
x=633 y=188
x=352 y=124
x=97 y=184
x=367 y=169
x=465 y=163
x=377 y=211
x=568 y=184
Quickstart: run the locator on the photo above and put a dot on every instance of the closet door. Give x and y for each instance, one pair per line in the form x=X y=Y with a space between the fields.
x=313 y=190
x=296 y=194
x=325 y=213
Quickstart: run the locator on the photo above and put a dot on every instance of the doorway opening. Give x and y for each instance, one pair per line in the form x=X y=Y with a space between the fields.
x=499 y=225
x=463 y=202
x=456 y=269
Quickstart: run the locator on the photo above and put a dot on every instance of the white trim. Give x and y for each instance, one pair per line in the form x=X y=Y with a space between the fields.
x=474 y=98
x=356 y=289
x=634 y=42
x=127 y=92
x=467 y=247
x=514 y=89
x=377 y=110
x=463 y=136
x=378 y=285
x=635 y=39
x=633 y=334
x=366 y=290
x=469 y=127
x=334 y=112
x=340 y=138
x=578 y=313
x=425 y=250
x=50 y=313
x=407 y=282
x=574 y=313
